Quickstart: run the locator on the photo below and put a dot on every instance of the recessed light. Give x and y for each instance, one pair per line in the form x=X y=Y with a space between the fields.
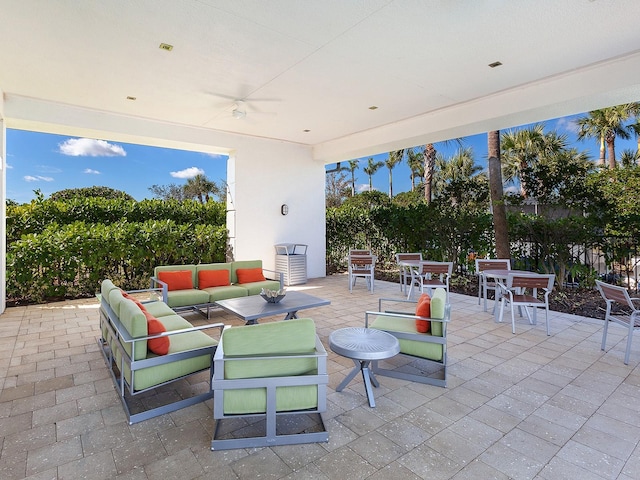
x=495 y=64
x=166 y=46
x=373 y=107
x=131 y=98
x=306 y=130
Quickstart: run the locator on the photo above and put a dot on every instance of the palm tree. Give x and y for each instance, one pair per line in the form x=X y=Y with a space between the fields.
x=606 y=124
x=521 y=149
x=394 y=159
x=371 y=168
x=455 y=173
x=353 y=166
x=429 y=164
x=629 y=158
x=200 y=187
x=496 y=191
x=416 y=165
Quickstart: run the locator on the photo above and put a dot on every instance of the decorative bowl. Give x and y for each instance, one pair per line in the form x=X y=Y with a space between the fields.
x=272 y=296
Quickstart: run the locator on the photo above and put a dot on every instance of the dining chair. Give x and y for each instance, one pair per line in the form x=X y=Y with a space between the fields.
x=405 y=268
x=521 y=290
x=485 y=283
x=362 y=266
x=429 y=275
x=627 y=314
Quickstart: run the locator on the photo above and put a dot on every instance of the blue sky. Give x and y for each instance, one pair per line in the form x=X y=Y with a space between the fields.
x=54 y=162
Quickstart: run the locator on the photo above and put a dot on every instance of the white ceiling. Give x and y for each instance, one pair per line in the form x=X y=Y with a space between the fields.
x=317 y=66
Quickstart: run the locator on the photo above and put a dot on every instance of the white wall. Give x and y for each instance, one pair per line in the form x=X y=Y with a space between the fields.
x=3 y=212
x=262 y=176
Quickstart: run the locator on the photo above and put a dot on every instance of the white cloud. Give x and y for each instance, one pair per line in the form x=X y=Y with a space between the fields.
x=89 y=170
x=37 y=178
x=88 y=147
x=217 y=156
x=188 y=172
x=9 y=166
x=363 y=187
x=567 y=124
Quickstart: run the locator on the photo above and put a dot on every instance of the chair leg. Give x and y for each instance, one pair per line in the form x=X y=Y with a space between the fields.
x=629 y=339
x=604 y=333
x=513 y=320
x=546 y=319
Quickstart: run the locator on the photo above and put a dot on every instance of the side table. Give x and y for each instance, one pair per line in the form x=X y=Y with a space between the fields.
x=363 y=345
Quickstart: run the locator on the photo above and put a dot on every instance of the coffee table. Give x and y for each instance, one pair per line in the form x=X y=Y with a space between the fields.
x=254 y=307
x=363 y=345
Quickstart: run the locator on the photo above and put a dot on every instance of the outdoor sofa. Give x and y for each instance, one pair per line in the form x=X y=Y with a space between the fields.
x=146 y=346
x=195 y=287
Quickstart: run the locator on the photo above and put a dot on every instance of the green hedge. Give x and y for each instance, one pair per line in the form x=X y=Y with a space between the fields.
x=69 y=261
x=35 y=217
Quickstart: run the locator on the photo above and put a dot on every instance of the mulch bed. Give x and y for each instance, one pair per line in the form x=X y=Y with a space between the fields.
x=576 y=301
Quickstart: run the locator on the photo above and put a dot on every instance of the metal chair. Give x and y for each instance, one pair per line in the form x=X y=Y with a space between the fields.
x=628 y=317
x=429 y=275
x=405 y=268
x=514 y=292
x=485 y=283
x=362 y=266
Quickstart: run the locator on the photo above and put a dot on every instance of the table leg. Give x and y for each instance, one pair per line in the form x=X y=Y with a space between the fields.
x=251 y=322
x=291 y=315
x=356 y=370
x=366 y=376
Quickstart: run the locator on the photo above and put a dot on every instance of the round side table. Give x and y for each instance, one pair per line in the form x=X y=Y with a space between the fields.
x=363 y=345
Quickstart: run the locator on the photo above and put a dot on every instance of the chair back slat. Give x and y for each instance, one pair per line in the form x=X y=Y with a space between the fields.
x=493 y=264
x=531 y=281
x=615 y=293
x=435 y=268
x=400 y=257
x=362 y=260
x=359 y=252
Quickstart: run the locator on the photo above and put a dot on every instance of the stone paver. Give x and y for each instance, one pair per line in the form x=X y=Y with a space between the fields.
x=517 y=406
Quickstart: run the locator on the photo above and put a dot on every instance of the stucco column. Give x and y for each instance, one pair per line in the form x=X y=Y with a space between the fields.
x=3 y=213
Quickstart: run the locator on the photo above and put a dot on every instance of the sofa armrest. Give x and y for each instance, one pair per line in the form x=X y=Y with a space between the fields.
x=159 y=285
x=276 y=276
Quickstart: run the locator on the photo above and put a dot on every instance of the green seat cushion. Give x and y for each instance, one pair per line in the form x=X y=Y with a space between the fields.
x=158 y=309
x=223 y=293
x=174 y=322
x=431 y=351
x=254 y=400
x=254 y=288
x=184 y=298
x=151 y=376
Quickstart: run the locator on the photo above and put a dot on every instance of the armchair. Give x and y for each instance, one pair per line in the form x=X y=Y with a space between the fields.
x=427 y=350
x=269 y=371
x=628 y=318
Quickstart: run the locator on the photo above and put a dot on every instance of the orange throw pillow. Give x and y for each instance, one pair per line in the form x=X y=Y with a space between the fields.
x=213 y=278
x=423 y=309
x=177 y=279
x=159 y=346
x=134 y=300
x=248 y=275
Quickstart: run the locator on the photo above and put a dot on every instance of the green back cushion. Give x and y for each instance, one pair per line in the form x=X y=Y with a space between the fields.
x=135 y=322
x=105 y=288
x=243 y=264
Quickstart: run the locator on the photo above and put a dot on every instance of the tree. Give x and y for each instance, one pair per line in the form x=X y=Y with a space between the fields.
x=606 y=124
x=371 y=168
x=168 y=192
x=336 y=188
x=497 y=196
x=458 y=177
x=522 y=149
x=429 y=155
x=416 y=165
x=394 y=159
x=200 y=187
x=353 y=166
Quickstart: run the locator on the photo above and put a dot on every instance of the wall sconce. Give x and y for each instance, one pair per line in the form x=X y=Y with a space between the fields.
x=284 y=209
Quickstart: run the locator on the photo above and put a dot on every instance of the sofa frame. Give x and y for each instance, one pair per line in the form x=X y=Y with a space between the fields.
x=119 y=337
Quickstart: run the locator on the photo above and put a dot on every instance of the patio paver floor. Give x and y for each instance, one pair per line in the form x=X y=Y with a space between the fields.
x=517 y=406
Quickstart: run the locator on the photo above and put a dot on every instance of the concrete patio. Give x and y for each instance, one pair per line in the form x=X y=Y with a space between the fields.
x=517 y=406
